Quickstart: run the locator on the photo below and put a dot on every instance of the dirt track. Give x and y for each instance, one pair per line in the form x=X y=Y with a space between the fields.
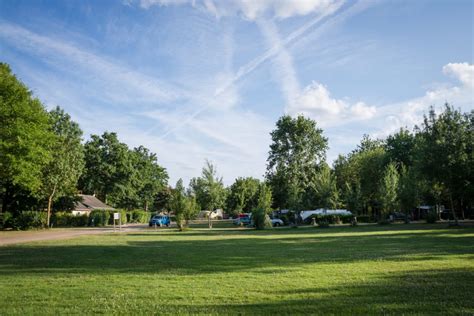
x=16 y=237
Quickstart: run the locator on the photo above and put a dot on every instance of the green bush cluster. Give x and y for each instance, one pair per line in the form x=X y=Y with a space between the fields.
x=431 y=217
x=6 y=220
x=99 y=218
x=138 y=216
x=261 y=220
x=65 y=219
x=29 y=220
x=123 y=216
x=364 y=219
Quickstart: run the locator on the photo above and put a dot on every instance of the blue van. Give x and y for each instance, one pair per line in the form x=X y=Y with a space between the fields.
x=160 y=220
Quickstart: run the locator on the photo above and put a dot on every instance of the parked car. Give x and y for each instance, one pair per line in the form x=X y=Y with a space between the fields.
x=246 y=220
x=277 y=222
x=398 y=216
x=160 y=220
x=243 y=219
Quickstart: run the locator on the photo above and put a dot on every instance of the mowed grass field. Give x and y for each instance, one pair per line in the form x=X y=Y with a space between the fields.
x=396 y=269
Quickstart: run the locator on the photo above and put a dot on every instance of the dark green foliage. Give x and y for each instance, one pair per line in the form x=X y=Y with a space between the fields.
x=296 y=152
x=5 y=220
x=138 y=216
x=67 y=219
x=25 y=136
x=431 y=217
x=99 y=218
x=364 y=219
x=29 y=219
x=242 y=196
x=123 y=217
x=120 y=176
x=261 y=219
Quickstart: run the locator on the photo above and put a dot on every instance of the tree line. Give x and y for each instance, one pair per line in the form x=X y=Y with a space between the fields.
x=44 y=163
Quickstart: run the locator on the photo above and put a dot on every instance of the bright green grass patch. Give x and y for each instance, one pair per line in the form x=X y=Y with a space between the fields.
x=397 y=269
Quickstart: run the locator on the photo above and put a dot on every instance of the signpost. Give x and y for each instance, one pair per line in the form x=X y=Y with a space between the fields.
x=117 y=218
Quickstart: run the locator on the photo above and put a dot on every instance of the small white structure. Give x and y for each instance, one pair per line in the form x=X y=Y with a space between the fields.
x=217 y=214
x=305 y=214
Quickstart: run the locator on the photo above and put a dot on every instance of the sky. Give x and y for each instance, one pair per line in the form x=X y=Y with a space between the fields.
x=206 y=79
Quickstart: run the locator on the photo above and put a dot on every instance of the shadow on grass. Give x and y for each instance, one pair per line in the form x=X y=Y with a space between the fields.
x=447 y=292
x=232 y=251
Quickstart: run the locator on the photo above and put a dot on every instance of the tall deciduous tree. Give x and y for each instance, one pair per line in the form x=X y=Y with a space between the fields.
x=324 y=189
x=24 y=137
x=182 y=204
x=243 y=195
x=109 y=168
x=209 y=190
x=61 y=174
x=296 y=152
x=151 y=178
x=445 y=153
x=389 y=190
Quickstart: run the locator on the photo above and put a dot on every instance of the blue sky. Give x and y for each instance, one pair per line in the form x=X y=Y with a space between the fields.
x=208 y=79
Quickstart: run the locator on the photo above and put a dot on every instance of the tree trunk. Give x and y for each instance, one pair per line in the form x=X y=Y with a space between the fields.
x=209 y=220
x=456 y=222
x=146 y=206
x=50 y=203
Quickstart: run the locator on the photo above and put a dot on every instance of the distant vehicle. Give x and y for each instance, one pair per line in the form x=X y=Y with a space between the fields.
x=277 y=222
x=160 y=220
x=399 y=216
x=243 y=219
x=246 y=219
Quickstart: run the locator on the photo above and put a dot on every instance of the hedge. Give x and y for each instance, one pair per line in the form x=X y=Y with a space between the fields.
x=65 y=219
x=138 y=216
x=123 y=217
x=99 y=218
x=29 y=219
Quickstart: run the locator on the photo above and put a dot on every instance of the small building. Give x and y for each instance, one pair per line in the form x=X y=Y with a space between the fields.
x=88 y=203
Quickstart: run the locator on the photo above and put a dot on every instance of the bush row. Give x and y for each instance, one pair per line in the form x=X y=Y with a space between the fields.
x=23 y=220
x=35 y=219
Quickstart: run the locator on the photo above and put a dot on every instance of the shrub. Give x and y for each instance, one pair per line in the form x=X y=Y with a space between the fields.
x=261 y=219
x=30 y=219
x=61 y=219
x=364 y=219
x=431 y=217
x=323 y=223
x=6 y=219
x=138 y=216
x=99 y=218
x=123 y=216
x=79 y=220
x=67 y=219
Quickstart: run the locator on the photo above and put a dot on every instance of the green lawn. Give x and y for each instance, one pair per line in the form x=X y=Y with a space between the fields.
x=398 y=269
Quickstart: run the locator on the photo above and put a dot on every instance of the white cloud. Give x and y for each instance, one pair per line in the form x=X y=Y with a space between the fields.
x=410 y=112
x=254 y=9
x=315 y=101
x=464 y=72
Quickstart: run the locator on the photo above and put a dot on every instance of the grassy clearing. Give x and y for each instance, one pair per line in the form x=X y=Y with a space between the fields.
x=394 y=269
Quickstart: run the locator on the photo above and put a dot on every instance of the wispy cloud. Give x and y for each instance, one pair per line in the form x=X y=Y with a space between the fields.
x=252 y=10
x=119 y=83
x=410 y=112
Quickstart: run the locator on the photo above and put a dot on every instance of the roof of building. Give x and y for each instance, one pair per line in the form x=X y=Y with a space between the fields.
x=90 y=202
